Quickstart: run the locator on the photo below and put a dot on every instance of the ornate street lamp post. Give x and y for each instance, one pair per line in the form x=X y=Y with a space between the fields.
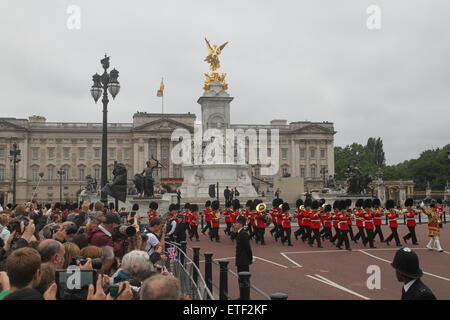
x=14 y=156
x=60 y=172
x=103 y=83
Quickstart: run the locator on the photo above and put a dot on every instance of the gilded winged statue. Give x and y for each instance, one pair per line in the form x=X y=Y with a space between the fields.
x=213 y=55
x=214 y=64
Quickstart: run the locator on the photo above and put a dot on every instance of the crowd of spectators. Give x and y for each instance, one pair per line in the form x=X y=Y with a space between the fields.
x=40 y=244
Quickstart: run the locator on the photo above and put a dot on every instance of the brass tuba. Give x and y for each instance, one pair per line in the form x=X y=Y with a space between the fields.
x=261 y=208
x=302 y=207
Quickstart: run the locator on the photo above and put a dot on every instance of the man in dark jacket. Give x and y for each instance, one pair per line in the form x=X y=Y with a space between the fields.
x=244 y=255
x=180 y=230
x=406 y=264
x=102 y=235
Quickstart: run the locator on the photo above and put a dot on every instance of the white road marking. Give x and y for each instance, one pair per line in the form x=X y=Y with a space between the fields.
x=322 y=279
x=277 y=264
x=291 y=260
x=427 y=273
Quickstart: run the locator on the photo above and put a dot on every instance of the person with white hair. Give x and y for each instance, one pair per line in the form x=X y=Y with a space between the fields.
x=132 y=263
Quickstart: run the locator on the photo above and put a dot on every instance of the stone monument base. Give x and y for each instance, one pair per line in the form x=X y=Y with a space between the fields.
x=197 y=179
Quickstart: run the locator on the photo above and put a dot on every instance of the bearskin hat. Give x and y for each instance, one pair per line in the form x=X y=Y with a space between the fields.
x=439 y=201
x=285 y=207
x=248 y=203
x=111 y=206
x=194 y=208
x=298 y=203
x=376 y=202
x=228 y=204
x=172 y=207
x=177 y=207
x=359 y=203
x=135 y=207
x=187 y=206
x=236 y=204
x=390 y=204
x=327 y=208
x=274 y=203
x=315 y=205
x=321 y=202
x=342 y=204
x=409 y=202
x=308 y=203
x=208 y=203
x=336 y=204
x=215 y=205
x=153 y=205
x=367 y=203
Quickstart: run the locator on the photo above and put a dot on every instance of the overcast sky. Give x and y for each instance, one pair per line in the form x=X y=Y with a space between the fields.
x=296 y=60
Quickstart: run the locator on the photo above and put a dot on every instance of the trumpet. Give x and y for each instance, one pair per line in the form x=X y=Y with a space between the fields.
x=217 y=216
x=324 y=205
x=302 y=207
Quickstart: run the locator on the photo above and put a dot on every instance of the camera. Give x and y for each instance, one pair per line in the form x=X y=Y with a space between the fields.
x=15 y=225
x=70 y=229
x=81 y=259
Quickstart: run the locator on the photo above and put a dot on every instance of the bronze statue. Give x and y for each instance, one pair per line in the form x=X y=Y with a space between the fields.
x=144 y=181
x=118 y=187
x=356 y=180
x=91 y=185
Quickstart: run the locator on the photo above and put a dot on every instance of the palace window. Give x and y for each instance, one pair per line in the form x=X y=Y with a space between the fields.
x=81 y=173
x=51 y=153
x=97 y=153
x=313 y=172
x=126 y=154
x=302 y=153
x=313 y=153
x=34 y=174
x=112 y=153
x=82 y=153
x=66 y=152
x=34 y=153
x=2 y=173
x=302 y=172
x=322 y=153
x=97 y=173
x=283 y=154
x=50 y=172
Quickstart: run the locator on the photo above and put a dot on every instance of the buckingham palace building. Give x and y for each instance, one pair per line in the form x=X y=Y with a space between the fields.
x=74 y=151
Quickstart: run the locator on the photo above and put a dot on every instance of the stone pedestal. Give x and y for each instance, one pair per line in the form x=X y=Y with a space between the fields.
x=402 y=194
x=197 y=179
x=381 y=193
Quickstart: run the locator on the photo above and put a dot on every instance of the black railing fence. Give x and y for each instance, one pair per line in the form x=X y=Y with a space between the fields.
x=200 y=286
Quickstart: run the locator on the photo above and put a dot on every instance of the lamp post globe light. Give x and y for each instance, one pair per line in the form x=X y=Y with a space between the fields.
x=102 y=84
x=14 y=156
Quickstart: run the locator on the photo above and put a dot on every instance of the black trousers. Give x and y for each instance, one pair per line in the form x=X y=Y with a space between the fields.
x=194 y=232
x=394 y=235
x=411 y=234
x=350 y=231
x=326 y=231
x=316 y=236
x=360 y=234
x=279 y=232
x=307 y=234
x=379 y=232
x=227 y=230
x=337 y=235
x=286 y=235
x=215 y=233
x=260 y=235
x=370 y=237
x=207 y=227
x=300 y=231
x=274 y=229
x=343 y=237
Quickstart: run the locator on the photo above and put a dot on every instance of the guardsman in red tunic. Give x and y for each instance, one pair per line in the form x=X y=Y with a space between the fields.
x=348 y=204
x=410 y=221
x=326 y=221
x=307 y=220
x=315 y=224
x=359 y=217
x=378 y=214
x=207 y=214
x=227 y=214
x=299 y=215
x=215 y=220
x=194 y=220
x=343 y=225
x=335 y=221
x=273 y=213
x=260 y=219
x=368 y=223
x=187 y=216
x=286 y=223
x=280 y=231
x=439 y=208
x=392 y=216
x=152 y=213
x=247 y=210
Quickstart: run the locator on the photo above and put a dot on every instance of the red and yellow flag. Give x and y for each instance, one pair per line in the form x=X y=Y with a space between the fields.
x=160 y=92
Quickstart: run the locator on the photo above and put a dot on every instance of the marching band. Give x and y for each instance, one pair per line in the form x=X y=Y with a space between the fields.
x=316 y=221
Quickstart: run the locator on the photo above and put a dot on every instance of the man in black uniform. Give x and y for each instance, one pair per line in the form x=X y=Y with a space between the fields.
x=406 y=264
x=180 y=230
x=244 y=255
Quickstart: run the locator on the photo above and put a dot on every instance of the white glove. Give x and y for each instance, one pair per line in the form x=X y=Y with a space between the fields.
x=253 y=259
x=422 y=204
